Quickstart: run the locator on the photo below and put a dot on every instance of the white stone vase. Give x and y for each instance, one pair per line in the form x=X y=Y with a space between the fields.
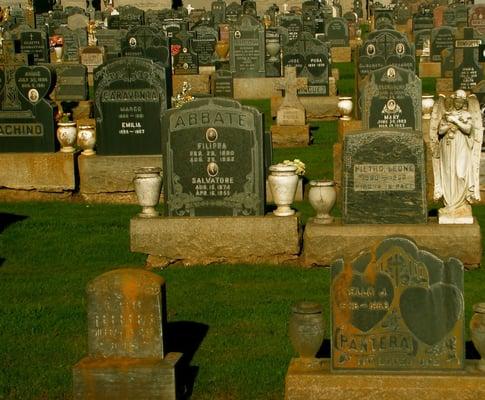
x=477 y=330
x=86 y=139
x=67 y=135
x=273 y=48
x=148 y=186
x=345 y=107
x=283 y=182
x=58 y=50
x=427 y=103
x=322 y=196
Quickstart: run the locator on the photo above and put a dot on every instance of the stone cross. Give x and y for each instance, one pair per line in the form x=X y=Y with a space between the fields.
x=290 y=84
x=9 y=62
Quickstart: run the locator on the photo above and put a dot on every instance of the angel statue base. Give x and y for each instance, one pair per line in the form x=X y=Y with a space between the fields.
x=456 y=134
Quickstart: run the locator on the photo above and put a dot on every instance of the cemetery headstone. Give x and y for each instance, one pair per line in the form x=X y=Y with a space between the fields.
x=337 y=32
x=311 y=58
x=204 y=44
x=391 y=98
x=383 y=18
x=468 y=71
x=397 y=307
x=247 y=48
x=218 y=9
x=184 y=58
x=223 y=85
x=423 y=19
x=147 y=42
x=233 y=12
x=130 y=95
x=71 y=82
x=130 y=17
x=438 y=16
x=77 y=21
x=35 y=43
x=441 y=38
x=213 y=155
x=384 y=177
x=421 y=37
x=73 y=41
x=111 y=40
x=292 y=23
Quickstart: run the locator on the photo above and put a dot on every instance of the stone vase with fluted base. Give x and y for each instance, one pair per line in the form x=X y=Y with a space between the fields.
x=322 y=196
x=148 y=186
x=67 y=135
x=283 y=182
x=306 y=329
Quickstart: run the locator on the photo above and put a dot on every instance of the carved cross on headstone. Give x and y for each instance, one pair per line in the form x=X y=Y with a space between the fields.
x=9 y=61
x=291 y=84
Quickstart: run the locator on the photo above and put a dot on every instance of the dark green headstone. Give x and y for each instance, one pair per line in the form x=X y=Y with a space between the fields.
x=218 y=9
x=383 y=18
x=34 y=42
x=111 y=39
x=423 y=20
x=397 y=308
x=204 y=44
x=185 y=61
x=293 y=23
x=72 y=83
x=233 y=12
x=223 y=85
x=147 y=42
x=73 y=41
x=213 y=155
x=130 y=17
x=441 y=38
x=384 y=177
x=468 y=71
x=130 y=96
x=337 y=32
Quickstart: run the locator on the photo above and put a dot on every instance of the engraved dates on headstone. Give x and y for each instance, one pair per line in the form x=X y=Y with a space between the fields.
x=397 y=308
x=213 y=155
x=384 y=177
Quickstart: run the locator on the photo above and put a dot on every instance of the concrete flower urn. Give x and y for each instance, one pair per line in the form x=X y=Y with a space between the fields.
x=477 y=329
x=306 y=328
x=283 y=182
x=427 y=103
x=86 y=139
x=148 y=185
x=322 y=196
x=345 y=107
x=67 y=135
x=58 y=50
x=273 y=48
x=222 y=49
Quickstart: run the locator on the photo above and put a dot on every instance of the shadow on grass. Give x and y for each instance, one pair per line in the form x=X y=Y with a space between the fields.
x=186 y=337
x=8 y=219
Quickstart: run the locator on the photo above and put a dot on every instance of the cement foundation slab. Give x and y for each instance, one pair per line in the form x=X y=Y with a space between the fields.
x=290 y=136
x=44 y=172
x=316 y=107
x=318 y=383
x=322 y=244
x=125 y=379
x=200 y=83
x=206 y=240
x=110 y=178
x=429 y=69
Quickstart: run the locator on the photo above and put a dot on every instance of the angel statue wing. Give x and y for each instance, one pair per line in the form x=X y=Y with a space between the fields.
x=477 y=122
x=436 y=116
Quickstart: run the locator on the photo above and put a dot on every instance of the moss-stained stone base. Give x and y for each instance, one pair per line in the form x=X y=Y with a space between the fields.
x=206 y=240
x=316 y=107
x=444 y=86
x=304 y=382
x=322 y=244
x=429 y=69
x=126 y=378
x=290 y=136
x=44 y=172
x=110 y=178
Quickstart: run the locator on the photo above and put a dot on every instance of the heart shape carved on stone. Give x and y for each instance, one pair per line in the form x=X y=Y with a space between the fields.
x=316 y=64
x=431 y=313
x=33 y=82
x=369 y=296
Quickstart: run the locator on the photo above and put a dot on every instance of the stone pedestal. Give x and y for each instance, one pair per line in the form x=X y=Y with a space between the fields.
x=110 y=178
x=341 y=54
x=303 y=383
x=347 y=126
x=200 y=84
x=36 y=176
x=126 y=378
x=316 y=107
x=257 y=88
x=429 y=69
x=290 y=136
x=444 y=86
x=206 y=240
x=322 y=244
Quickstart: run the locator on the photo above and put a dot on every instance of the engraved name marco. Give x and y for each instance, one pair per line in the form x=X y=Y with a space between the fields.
x=384 y=177
x=19 y=129
x=201 y=118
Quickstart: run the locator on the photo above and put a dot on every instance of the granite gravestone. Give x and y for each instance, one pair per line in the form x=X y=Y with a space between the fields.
x=397 y=308
x=441 y=38
x=247 y=48
x=223 y=84
x=71 y=83
x=384 y=177
x=292 y=23
x=423 y=20
x=130 y=95
x=73 y=41
x=213 y=156
x=421 y=37
x=92 y=57
x=311 y=58
x=337 y=32
x=77 y=21
x=34 y=42
x=218 y=9
x=468 y=71
x=233 y=12
x=111 y=40
x=184 y=58
x=385 y=47
x=26 y=116
x=204 y=44
x=127 y=322
x=147 y=42
x=130 y=17
x=383 y=18
x=391 y=98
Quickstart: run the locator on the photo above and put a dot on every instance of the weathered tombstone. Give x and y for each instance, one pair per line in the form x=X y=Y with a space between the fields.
x=130 y=95
x=184 y=58
x=441 y=38
x=461 y=14
x=383 y=18
x=447 y=62
x=310 y=56
x=222 y=84
x=292 y=23
x=391 y=98
x=34 y=42
x=92 y=57
x=127 y=324
x=402 y=14
x=421 y=37
x=468 y=71
x=213 y=156
x=423 y=19
x=337 y=32
x=111 y=40
x=71 y=82
x=73 y=41
x=204 y=44
x=397 y=308
x=384 y=177
x=218 y=9
x=309 y=10
x=476 y=18
x=449 y=17
x=146 y=42
x=130 y=17
x=247 y=48
x=233 y=12
x=77 y=21
x=27 y=117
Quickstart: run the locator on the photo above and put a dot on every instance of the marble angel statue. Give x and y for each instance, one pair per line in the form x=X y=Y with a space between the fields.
x=456 y=134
